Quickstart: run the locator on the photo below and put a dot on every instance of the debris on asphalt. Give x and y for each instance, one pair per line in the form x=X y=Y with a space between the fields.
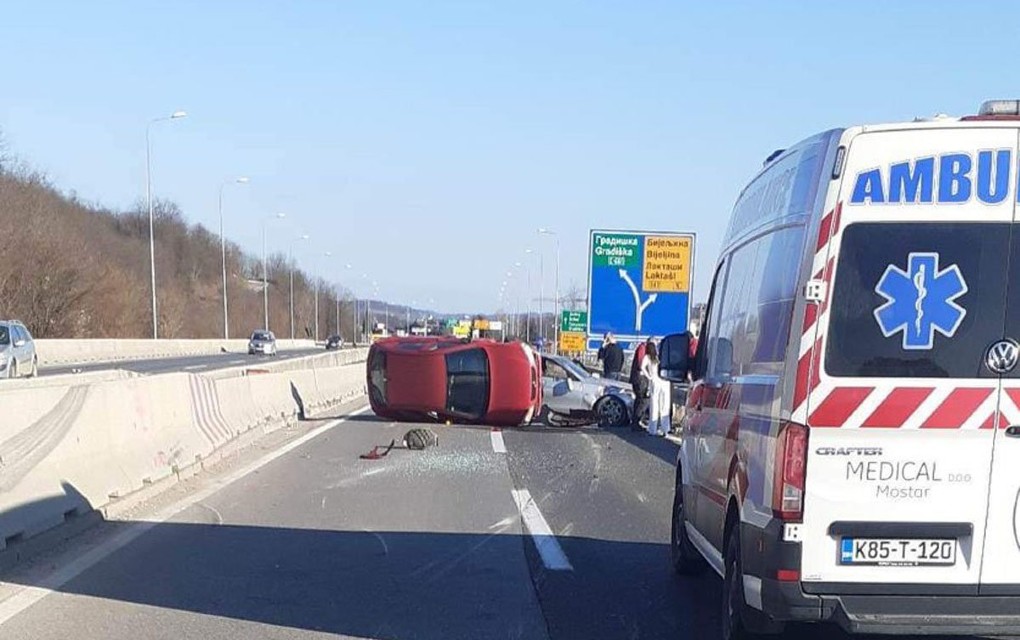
x=375 y=454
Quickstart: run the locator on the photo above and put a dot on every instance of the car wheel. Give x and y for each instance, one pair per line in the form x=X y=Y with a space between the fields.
x=611 y=411
x=12 y=369
x=686 y=559
x=35 y=368
x=739 y=621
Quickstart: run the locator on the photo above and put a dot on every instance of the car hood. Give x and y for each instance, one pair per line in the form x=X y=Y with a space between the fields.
x=609 y=386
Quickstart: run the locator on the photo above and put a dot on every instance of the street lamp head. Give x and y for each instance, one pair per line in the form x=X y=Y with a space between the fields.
x=177 y=115
x=281 y=216
x=242 y=180
x=348 y=266
x=305 y=236
x=328 y=254
x=529 y=251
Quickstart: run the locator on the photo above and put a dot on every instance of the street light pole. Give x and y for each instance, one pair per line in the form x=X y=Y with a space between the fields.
x=328 y=254
x=292 y=265
x=541 y=297
x=148 y=198
x=355 y=295
x=265 y=268
x=556 y=302
x=527 y=329
x=223 y=254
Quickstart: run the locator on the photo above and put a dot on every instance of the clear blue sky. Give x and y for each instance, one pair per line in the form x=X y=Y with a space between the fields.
x=424 y=142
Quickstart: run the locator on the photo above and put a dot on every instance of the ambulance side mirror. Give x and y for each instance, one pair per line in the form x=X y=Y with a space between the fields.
x=675 y=357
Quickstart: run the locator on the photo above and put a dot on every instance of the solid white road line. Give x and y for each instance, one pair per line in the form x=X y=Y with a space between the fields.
x=548 y=547
x=195 y=367
x=28 y=596
x=497 y=441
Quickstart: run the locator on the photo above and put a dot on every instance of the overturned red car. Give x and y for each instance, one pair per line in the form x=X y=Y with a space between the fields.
x=439 y=378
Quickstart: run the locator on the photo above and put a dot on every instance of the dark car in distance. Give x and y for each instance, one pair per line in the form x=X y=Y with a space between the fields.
x=334 y=342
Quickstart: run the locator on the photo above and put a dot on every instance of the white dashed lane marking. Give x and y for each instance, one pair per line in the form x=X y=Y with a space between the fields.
x=497 y=441
x=548 y=546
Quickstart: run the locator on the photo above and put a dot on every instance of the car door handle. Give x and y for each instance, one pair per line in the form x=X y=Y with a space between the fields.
x=1013 y=431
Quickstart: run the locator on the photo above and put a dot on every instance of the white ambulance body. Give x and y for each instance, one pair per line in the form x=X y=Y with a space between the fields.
x=851 y=446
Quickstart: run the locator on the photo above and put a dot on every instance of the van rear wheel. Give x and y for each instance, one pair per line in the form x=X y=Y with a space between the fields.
x=740 y=621
x=686 y=559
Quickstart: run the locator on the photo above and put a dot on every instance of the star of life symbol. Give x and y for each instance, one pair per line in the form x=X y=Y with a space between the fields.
x=920 y=301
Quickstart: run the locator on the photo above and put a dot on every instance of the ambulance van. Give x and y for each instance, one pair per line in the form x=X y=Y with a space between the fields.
x=851 y=441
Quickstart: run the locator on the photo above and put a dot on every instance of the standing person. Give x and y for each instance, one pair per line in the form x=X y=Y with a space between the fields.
x=658 y=418
x=639 y=384
x=611 y=356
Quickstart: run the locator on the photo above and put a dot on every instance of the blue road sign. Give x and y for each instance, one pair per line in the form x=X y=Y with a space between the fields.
x=639 y=284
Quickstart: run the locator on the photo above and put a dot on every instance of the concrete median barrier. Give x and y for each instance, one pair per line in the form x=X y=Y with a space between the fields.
x=105 y=441
x=325 y=360
x=62 y=352
x=76 y=448
x=65 y=379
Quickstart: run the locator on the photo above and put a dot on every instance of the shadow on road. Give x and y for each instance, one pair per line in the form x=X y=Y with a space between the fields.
x=390 y=585
x=659 y=447
x=380 y=584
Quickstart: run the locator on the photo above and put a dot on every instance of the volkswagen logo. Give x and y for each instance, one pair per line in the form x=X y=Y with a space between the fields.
x=1002 y=356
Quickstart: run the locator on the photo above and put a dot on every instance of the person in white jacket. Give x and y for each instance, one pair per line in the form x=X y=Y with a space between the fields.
x=658 y=393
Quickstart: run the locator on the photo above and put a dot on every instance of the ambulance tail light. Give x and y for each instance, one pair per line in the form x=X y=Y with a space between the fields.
x=789 y=472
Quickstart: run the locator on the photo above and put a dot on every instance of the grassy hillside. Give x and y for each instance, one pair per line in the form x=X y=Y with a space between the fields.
x=72 y=270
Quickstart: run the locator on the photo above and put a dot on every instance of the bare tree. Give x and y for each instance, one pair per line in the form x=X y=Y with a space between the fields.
x=574 y=299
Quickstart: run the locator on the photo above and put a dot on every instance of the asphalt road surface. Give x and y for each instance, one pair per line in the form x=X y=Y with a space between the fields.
x=195 y=364
x=419 y=545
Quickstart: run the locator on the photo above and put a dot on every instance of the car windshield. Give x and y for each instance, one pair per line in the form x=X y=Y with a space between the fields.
x=5 y=335
x=261 y=335
x=467 y=389
x=573 y=368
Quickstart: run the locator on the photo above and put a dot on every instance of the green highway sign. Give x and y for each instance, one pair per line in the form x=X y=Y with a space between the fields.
x=574 y=321
x=619 y=250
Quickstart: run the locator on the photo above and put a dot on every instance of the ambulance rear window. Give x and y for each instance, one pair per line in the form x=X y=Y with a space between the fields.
x=917 y=300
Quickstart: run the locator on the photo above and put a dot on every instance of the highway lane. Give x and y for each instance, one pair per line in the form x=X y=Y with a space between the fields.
x=195 y=364
x=426 y=545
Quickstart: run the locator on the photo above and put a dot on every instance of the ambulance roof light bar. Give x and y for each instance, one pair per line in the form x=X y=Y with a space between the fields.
x=1000 y=108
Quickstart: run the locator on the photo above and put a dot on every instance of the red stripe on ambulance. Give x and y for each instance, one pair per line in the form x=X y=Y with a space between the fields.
x=956 y=408
x=838 y=406
x=897 y=407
